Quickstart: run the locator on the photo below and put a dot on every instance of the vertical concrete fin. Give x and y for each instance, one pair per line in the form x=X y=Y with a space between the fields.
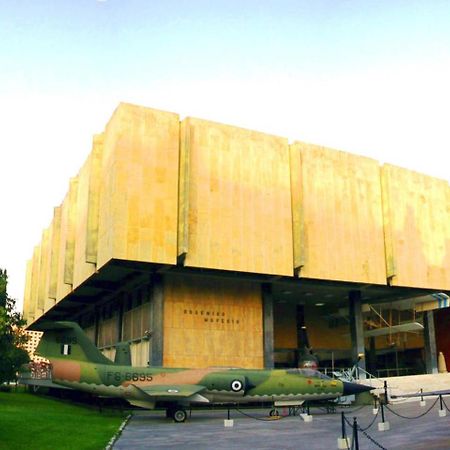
x=70 y=241
x=35 y=281
x=387 y=223
x=44 y=269
x=27 y=292
x=183 y=190
x=94 y=200
x=298 y=226
x=54 y=252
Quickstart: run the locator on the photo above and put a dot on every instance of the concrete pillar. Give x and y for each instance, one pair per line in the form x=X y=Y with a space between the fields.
x=372 y=358
x=267 y=299
x=357 y=330
x=157 y=322
x=120 y=318
x=429 y=337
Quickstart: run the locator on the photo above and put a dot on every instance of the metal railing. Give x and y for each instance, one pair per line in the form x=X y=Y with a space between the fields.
x=351 y=374
x=396 y=371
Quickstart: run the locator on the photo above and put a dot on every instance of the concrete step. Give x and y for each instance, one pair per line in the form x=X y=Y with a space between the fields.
x=410 y=384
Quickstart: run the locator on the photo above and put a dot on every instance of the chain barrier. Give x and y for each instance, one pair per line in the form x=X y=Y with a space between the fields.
x=371 y=423
x=347 y=422
x=362 y=429
x=364 y=432
x=263 y=419
x=416 y=417
x=445 y=404
x=371 y=439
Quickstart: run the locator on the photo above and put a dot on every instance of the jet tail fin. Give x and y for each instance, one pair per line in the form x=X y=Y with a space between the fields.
x=66 y=340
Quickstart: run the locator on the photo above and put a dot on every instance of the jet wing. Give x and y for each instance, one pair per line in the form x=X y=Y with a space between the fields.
x=148 y=396
x=172 y=390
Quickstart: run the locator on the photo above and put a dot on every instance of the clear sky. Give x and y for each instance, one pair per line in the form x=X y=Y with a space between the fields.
x=369 y=77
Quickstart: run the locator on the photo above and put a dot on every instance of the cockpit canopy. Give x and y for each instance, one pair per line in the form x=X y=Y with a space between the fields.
x=308 y=373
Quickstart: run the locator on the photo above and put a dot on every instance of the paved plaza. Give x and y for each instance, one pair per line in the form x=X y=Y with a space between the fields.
x=205 y=429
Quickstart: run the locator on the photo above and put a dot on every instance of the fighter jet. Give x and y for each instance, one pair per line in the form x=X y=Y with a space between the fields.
x=77 y=363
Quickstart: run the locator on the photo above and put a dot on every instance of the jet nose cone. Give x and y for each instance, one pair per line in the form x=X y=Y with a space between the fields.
x=354 y=388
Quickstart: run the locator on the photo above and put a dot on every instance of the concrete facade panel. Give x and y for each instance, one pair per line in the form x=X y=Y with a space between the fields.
x=63 y=288
x=44 y=271
x=139 y=195
x=417 y=228
x=34 y=311
x=82 y=269
x=27 y=292
x=212 y=322
x=338 y=219
x=235 y=200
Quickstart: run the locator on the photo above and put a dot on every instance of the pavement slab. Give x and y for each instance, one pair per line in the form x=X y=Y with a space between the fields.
x=253 y=429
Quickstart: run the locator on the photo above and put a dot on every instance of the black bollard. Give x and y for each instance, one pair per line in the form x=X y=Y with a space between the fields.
x=344 y=434
x=385 y=393
x=382 y=412
x=355 y=433
x=421 y=396
x=228 y=413
x=440 y=402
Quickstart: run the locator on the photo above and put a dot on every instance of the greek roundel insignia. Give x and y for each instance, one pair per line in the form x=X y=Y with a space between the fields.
x=236 y=386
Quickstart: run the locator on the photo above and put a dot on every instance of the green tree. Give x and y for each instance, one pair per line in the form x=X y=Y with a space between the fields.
x=12 y=338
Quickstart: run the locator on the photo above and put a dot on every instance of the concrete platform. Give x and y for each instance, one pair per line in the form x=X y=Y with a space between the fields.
x=206 y=430
x=411 y=384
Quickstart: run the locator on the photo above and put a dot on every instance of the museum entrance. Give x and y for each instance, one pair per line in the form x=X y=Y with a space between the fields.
x=312 y=329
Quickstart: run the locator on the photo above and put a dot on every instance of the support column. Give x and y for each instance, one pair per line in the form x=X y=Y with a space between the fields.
x=157 y=322
x=120 y=318
x=357 y=331
x=267 y=300
x=372 y=358
x=429 y=338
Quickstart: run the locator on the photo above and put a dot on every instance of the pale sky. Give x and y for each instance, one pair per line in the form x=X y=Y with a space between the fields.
x=369 y=77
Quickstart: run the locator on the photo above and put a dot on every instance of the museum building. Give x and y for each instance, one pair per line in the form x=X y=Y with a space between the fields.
x=206 y=244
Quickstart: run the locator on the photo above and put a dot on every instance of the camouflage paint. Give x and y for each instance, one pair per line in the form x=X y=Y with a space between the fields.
x=85 y=368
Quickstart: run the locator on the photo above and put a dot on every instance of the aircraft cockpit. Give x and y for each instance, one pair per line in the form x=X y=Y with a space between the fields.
x=308 y=373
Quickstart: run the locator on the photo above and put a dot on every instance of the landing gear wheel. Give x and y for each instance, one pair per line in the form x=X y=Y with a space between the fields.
x=274 y=412
x=179 y=415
